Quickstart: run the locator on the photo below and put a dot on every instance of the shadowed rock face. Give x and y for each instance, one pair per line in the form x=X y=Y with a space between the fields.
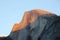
x=5 y=38
x=31 y=25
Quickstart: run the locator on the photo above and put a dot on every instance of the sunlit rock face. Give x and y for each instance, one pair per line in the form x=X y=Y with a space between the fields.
x=31 y=25
x=29 y=17
x=26 y=29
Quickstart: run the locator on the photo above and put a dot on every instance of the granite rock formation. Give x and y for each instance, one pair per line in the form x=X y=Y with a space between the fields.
x=31 y=25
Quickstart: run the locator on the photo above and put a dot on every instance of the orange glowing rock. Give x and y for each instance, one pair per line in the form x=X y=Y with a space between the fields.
x=29 y=17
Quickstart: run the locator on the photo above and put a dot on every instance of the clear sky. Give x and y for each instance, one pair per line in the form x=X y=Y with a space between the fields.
x=11 y=11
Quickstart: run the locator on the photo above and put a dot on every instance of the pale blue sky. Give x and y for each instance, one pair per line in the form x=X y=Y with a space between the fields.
x=11 y=11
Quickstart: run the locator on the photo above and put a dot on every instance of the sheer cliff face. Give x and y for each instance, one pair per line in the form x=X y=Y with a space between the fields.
x=31 y=25
x=28 y=17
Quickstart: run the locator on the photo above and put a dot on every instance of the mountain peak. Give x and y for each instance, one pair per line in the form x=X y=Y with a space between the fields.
x=29 y=17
